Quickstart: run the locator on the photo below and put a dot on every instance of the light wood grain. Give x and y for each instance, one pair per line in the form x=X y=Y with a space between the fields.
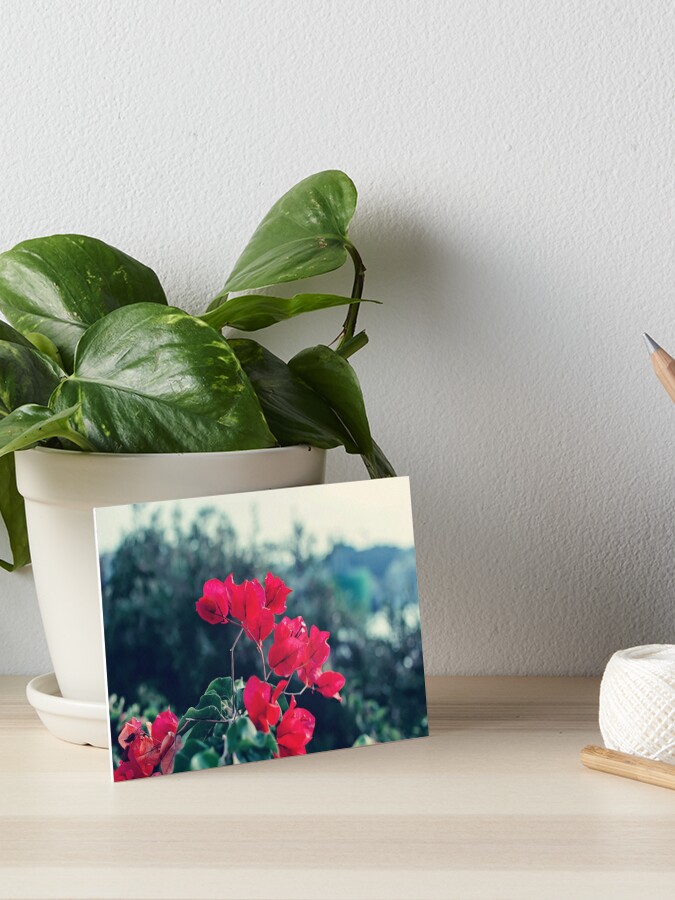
x=495 y=804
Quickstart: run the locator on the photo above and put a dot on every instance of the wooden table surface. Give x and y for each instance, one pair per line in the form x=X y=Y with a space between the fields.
x=495 y=804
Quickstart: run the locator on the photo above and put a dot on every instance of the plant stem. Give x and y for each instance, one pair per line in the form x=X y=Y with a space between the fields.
x=290 y=678
x=192 y=721
x=357 y=292
x=234 y=693
x=346 y=348
x=262 y=658
x=297 y=693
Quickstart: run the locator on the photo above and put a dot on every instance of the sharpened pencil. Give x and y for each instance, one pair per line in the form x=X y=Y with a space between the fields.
x=663 y=365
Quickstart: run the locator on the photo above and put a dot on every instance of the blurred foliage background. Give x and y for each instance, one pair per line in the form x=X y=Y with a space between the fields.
x=159 y=652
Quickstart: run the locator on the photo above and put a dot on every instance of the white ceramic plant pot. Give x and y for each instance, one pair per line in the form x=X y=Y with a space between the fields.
x=61 y=489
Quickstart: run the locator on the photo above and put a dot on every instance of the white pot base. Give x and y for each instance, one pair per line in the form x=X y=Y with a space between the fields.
x=76 y=721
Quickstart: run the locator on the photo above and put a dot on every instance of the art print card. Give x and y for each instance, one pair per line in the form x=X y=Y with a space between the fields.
x=259 y=626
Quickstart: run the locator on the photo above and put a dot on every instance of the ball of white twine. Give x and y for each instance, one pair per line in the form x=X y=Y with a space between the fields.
x=637 y=702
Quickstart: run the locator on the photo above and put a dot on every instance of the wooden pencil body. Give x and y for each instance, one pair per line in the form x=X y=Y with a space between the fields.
x=645 y=770
x=664 y=369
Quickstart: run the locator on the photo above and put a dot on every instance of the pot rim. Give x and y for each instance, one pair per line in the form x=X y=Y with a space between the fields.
x=89 y=454
x=84 y=480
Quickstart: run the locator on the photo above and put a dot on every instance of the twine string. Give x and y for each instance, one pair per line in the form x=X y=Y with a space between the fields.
x=637 y=702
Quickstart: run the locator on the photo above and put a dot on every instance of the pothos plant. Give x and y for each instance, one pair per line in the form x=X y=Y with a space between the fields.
x=92 y=357
x=237 y=720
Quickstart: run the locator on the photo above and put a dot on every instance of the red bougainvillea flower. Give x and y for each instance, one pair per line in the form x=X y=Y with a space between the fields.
x=330 y=684
x=163 y=733
x=143 y=751
x=165 y=723
x=236 y=597
x=167 y=753
x=139 y=750
x=259 y=624
x=275 y=594
x=212 y=606
x=143 y=755
x=295 y=730
x=124 y=772
x=129 y=732
x=261 y=703
x=316 y=653
x=288 y=649
x=247 y=603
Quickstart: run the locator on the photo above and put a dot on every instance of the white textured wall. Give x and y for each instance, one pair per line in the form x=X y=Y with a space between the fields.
x=517 y=206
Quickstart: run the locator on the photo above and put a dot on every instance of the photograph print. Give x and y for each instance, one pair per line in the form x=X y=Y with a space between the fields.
x=259 y=626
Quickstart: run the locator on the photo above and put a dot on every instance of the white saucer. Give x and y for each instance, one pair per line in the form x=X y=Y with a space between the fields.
x=77 y=721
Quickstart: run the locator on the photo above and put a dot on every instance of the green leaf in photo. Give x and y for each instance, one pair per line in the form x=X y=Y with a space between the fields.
x=209 y=698
x=249 y=745
x=364 y=740
x=184 y=756
x=206 y=759
x=221 y=687
x=203 y=714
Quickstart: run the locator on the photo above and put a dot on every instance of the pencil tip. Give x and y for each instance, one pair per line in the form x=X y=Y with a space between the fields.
x=652 y=346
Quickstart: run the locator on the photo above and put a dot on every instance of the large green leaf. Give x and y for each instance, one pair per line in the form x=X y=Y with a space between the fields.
x=304 y=234
x=377 y=463
x=331 y=376
x=295 y=413
x=42 y=343
x=7 y=333
x=251 y=312
x=30 y=424
x=26 y=375
x=13 y=514
x=153 y=379
x=61 y=284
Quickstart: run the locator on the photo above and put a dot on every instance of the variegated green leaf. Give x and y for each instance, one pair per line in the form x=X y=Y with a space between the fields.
x=295 y=413
x=31 y=424
x=26 y=374
x=153 y=379
x=333 y=378
x=304 y=234
x=252 y=312
x=61 y=284
x=13 y=515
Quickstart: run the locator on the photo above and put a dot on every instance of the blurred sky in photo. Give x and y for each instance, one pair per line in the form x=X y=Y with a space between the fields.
x=360 y=513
